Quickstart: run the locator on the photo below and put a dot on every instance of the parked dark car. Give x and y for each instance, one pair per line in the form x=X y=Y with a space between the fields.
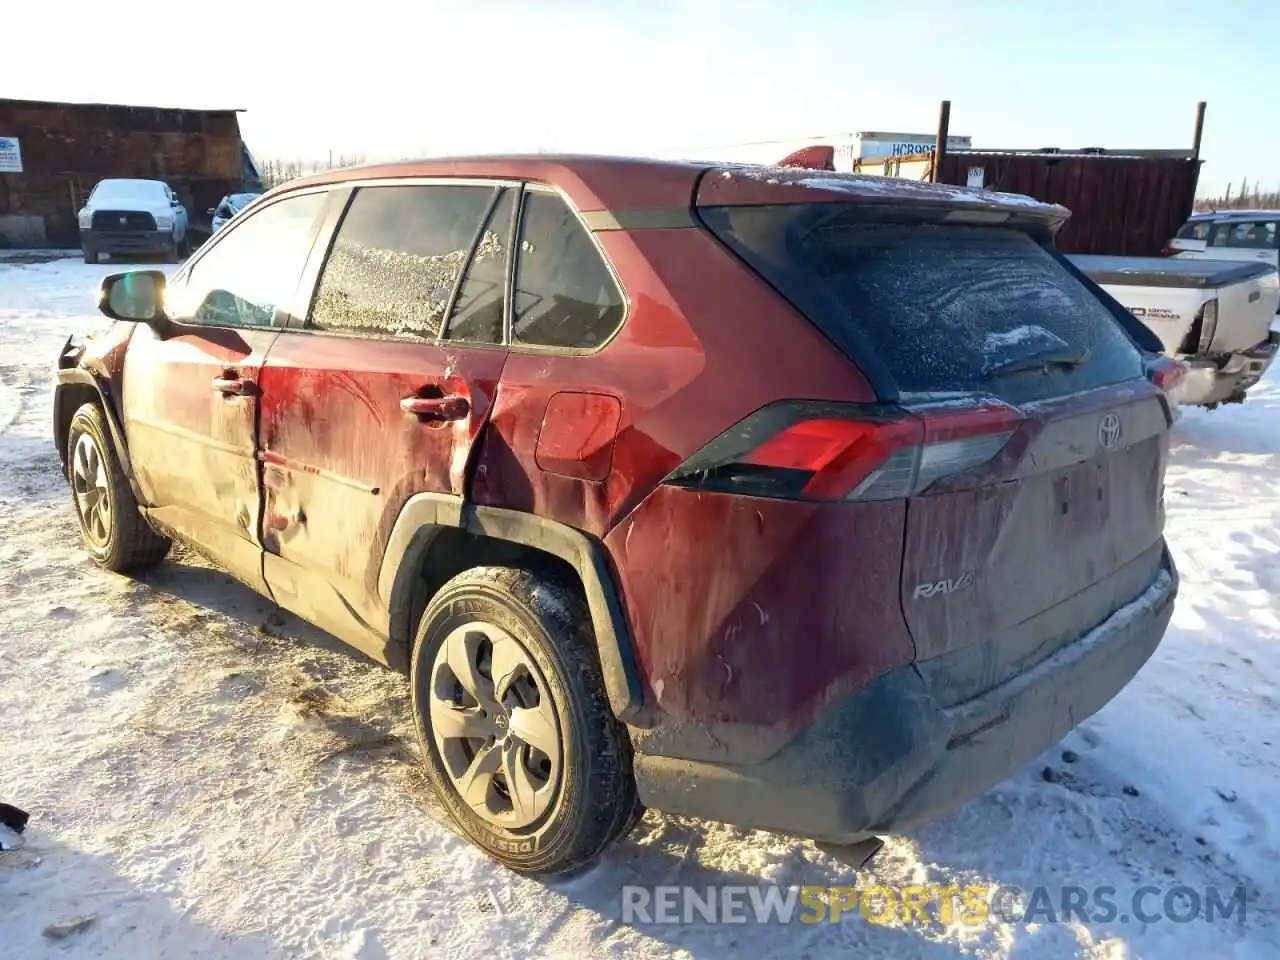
x=808 y=502
x=227 y=208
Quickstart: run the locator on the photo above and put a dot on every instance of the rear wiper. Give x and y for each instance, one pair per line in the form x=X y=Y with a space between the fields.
x=1040 y=361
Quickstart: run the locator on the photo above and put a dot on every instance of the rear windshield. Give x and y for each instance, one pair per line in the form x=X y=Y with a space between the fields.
x=929 y=309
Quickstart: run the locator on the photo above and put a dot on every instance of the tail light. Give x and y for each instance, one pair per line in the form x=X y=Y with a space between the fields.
x=1168 y=251
x=1208 y=324
x=1167 y=374
x=820 y=451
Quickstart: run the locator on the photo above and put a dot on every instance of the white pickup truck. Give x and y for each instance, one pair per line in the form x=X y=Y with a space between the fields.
x=132 y=217
x=1214 y=315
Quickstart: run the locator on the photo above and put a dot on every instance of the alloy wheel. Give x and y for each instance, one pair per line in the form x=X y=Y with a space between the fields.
x=89 y=483
x=494 y=725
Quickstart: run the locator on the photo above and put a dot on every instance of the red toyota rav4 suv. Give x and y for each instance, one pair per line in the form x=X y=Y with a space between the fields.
x=807 y=502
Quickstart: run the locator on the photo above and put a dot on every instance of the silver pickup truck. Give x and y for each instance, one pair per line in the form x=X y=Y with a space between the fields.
x=1214 y=315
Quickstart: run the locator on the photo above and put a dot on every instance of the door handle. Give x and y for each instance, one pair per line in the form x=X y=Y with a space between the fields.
x=451 y=407
x=232 y=386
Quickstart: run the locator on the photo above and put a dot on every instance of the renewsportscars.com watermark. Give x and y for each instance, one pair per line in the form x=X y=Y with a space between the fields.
x=930 y=904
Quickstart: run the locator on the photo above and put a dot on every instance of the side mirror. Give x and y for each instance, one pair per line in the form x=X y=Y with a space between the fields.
x=136 y=296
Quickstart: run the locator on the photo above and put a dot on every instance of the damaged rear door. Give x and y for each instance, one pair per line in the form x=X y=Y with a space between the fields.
x=382 y=394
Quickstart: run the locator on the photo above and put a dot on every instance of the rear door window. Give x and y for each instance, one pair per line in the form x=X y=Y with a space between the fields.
x=936 y=308
x=1219 y=234
x=1252 y=235
x=397 y=258
x=478 y=313
x=565 y=295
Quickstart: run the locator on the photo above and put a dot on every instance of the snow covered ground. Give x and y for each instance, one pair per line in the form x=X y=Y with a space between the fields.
x=210 y=778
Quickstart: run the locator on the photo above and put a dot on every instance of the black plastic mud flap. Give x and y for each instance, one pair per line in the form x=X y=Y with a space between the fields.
x=856 y=855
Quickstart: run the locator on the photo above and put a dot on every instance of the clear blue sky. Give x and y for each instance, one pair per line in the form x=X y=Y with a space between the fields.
x=657 y=76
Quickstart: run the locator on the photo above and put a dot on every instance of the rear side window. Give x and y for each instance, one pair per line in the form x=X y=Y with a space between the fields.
x=396 y=259
x=936 y=308
x=565 y=296
x=1251 y=235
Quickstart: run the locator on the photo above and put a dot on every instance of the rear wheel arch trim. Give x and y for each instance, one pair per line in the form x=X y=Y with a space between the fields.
x=425 y=514
x=62 y=414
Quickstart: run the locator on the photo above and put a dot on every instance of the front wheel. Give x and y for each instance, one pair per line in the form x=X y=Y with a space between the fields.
x=517 y=735
x=115 y=533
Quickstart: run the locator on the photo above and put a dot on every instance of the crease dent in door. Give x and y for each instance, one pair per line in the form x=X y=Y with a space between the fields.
x=342 y=453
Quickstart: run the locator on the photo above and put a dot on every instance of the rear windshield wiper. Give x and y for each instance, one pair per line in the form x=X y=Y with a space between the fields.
x=1039 y=361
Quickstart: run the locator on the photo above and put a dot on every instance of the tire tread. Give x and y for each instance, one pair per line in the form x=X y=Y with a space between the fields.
x=601 y=808
x=134 y=545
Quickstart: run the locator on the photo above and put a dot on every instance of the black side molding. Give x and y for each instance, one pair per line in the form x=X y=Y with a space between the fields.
x=426 y=515
x=587 y=556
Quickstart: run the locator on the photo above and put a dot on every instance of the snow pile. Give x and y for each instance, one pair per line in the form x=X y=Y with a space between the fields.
x=207 y=777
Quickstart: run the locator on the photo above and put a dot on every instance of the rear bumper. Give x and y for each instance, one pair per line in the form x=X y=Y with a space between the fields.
x=1213 y=381
x=127 y=241
x=891 y=757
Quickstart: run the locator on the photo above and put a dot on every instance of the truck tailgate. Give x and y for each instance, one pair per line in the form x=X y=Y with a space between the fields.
x=1168 y=294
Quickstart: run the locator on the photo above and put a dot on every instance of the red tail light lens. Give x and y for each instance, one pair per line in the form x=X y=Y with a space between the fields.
x=1167 y=373
x=814 y=451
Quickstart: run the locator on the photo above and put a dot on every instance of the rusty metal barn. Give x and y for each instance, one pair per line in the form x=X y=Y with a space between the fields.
x=63 y=149
x=1124 y=202
x=1127 y=203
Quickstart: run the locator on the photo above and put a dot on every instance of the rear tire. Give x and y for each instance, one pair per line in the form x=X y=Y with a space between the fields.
x=115 y=533
x=510 y=707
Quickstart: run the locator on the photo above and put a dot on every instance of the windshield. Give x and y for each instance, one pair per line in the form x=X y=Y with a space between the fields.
x=147 y=191
x=238 y=201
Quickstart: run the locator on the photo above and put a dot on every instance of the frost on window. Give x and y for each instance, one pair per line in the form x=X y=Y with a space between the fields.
x=397 y=258
x=386 y=292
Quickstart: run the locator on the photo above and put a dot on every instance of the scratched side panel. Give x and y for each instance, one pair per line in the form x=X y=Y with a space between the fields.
x=754 y=611
x=340 y=457
x=192 y=447
x=705 y=343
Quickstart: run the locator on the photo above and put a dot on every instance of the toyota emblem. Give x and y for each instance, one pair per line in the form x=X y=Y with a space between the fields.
x=1109 y=431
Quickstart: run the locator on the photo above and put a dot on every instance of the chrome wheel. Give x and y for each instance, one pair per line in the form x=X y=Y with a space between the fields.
x=494 y=725
x=89 y=482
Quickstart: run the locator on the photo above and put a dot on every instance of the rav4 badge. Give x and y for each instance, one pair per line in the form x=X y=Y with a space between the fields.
x=938 y=588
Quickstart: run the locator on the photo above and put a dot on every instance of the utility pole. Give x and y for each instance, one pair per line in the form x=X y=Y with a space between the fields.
x=940 y=147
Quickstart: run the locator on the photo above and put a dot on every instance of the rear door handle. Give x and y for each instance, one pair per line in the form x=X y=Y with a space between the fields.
x=232 y=386
x=450 y=407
